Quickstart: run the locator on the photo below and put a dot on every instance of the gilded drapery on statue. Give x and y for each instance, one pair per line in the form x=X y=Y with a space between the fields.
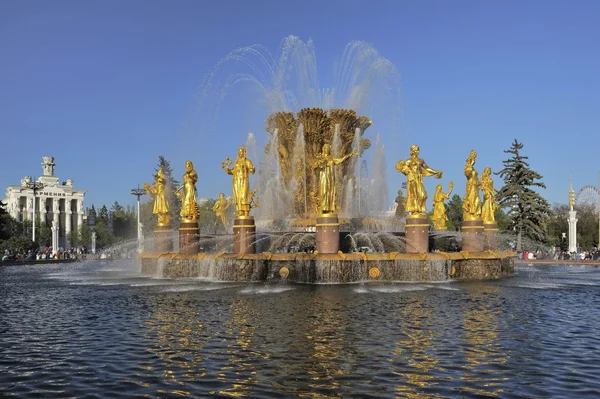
x=439 y=216
x=242 y=196
x=187 y=193
x=325 y=162
x=415 y=169
x=400 y=205
x=161 y=201
x=472 y=200
x=220 y=210
x=489 y=197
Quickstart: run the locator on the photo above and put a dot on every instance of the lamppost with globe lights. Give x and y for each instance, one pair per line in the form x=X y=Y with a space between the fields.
x=138 y=192
x=34 y=185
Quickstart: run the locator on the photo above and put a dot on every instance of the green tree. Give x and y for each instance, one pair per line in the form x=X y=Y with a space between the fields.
x=103 y=215
x=455 y=213
x=587 y=226
x=43 y=233
x=104 y=237
x=207 y=220
x=557 y=225
x=527 y=210
x=123 y=227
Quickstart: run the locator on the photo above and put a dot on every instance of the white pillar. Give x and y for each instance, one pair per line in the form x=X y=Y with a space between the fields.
x=42 y=209
x=56 y=218
x=29 y=207
x=79 y=213
x=68 y=215
x=572 y=231
x=54 y=236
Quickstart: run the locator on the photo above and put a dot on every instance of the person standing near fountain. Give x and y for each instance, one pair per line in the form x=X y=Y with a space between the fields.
x=417 y=227
x=243 y=224
x=490 y=228
x=162 y=243
x=439 y=217
x=188 y=228
x=327 y=223
x=473 y=239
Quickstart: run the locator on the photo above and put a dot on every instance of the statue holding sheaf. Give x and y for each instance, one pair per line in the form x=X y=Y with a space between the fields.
x=187 y=193
x=489 y=197
x=439 y=216
x=472 y=200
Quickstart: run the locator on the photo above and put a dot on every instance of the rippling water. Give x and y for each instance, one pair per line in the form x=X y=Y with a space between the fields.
x=102 y=330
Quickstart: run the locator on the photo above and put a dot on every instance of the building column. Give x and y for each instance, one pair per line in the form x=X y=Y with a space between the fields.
x=56 y=220
x=79 y=213
x=30 y=199
x=68 y=215
x=41 y=212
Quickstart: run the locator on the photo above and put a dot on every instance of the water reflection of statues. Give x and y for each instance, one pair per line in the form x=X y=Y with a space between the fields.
x=161 y=201
x=242 y=196
x=489 y=197
x=187 y=193
x=471 y=200
x=400 y=204
x=220 y=210
x=439 y=217
x=325 y=162
x=415 y=169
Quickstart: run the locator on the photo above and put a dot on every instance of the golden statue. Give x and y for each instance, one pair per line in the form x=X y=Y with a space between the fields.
x=571 y=195
x=242 y=197
x=187 y=193
x=439 y=217
x=489 y=197
x=161 y=201
x=415 y=169
x=400 y=205
x=471 y=200
x=325 y=161
x=220 y=210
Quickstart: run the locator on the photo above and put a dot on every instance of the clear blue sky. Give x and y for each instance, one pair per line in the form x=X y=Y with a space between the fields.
x=107 y=86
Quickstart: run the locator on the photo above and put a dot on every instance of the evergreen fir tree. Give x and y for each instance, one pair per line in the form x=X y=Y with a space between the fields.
x=528 y=211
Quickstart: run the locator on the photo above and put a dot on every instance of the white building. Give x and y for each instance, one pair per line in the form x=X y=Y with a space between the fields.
x=56 y=204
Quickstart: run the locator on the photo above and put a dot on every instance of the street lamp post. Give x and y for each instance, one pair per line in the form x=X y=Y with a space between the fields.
x=138 y=192
x=34 y=185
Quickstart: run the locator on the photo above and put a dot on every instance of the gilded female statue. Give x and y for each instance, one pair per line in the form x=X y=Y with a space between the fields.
x=415 y=169
x=400 y=205
x=325 y=162
x=242 y=197
x=439 y=217
x=471 y=200
x=161 y=201
x=489 y=197
x=220 y=209
x=187 y=193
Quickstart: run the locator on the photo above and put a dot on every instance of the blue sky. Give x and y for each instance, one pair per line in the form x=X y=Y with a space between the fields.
x=105 y=87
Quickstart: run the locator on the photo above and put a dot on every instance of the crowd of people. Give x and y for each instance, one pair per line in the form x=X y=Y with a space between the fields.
x=46 y=253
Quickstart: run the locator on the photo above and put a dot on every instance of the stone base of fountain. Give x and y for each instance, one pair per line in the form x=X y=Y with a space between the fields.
x=417 y=234
x=189 y=234
x=473 y=237
x=332 y=268
x=328 y=234
x=162 y=239
x=244 y=230
x=491 y=235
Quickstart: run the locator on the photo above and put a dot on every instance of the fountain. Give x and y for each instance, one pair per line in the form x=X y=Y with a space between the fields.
x=321 y=218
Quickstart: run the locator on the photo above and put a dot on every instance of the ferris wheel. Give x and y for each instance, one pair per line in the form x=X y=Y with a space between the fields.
x=587 y=196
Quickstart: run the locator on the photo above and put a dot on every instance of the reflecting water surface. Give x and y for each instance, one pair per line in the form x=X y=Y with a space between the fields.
x=103 y=330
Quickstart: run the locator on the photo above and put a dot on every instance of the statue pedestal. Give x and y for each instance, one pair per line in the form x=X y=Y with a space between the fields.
x=189 y=233
x=162 y=239
x=244 y=230
x=491 y=236
x=473 y=236
x=328 y=233
x=417 y=234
